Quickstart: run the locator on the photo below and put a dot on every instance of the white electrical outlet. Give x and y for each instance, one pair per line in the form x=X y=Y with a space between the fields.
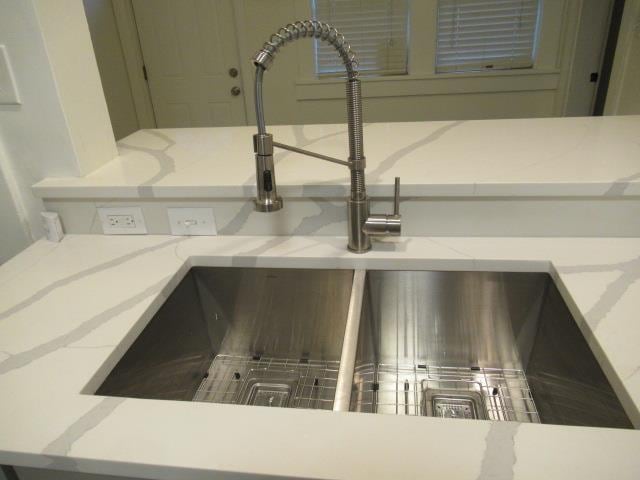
x=122 y=220
x=192 y=221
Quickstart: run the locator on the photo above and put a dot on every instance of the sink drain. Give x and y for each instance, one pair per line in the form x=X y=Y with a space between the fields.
x=451 y=404
x=446 y=392
x=271 y=382
x=268 y=388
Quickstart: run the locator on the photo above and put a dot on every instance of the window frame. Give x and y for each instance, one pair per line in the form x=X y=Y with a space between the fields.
x=422 y=77
x=363 y=73
x=499 y=63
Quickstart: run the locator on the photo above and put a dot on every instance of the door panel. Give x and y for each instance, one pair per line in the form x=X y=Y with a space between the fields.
x=590 y=43
x=188 y=48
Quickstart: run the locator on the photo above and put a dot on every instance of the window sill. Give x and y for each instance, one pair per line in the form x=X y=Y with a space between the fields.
x=314 y=88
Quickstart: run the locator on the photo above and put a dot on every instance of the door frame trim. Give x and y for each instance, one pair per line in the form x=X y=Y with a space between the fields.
x=245 y=66
x=132 y=52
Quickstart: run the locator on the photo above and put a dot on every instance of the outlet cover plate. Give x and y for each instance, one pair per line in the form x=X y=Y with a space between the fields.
x=122 y=220
x=8 y=89
x=192 y=221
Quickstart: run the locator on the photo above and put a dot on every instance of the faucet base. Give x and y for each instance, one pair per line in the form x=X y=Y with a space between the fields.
x=268 y=204
x=357 y=250
x=357 y=213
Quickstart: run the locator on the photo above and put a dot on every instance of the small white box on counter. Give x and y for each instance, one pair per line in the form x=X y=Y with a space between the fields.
x=52 y=226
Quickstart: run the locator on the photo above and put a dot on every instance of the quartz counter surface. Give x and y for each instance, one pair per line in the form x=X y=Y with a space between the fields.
x=546 y=157
x=69 y=310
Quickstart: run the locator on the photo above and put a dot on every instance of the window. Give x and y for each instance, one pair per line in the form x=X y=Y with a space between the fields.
x=375 y=29
x=486 y=34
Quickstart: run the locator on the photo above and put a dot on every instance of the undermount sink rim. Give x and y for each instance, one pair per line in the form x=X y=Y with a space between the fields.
x=548 y=271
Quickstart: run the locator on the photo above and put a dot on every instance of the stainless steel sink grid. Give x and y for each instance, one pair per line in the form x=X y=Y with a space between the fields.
x=458 y=345
x=483 y=345
x=253 y=336
x=271 y=382
x=476 y=393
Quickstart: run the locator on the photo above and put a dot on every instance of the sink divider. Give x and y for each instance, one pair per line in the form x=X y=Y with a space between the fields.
x=344 y=385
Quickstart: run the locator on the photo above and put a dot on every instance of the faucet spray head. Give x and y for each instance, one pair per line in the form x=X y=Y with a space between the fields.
x=267 y=199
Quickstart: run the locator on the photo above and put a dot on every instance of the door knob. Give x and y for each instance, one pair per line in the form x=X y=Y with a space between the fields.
x=233 y=72
x=235 y=91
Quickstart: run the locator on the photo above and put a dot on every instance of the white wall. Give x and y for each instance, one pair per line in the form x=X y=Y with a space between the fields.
x=15 y=234
x=36 y=129
x=112 y=67
x=63 y=26
x=623 y=97
x=34 y=141
x=61 y=127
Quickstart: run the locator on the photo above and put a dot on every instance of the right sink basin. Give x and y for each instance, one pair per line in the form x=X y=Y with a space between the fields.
x=485 y=345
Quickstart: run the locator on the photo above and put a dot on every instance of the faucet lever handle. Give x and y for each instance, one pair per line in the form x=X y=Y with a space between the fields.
x=396 y=197
x=383 y=225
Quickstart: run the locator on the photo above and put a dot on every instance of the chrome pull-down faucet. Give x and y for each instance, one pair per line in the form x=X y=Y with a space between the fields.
x=362 y=225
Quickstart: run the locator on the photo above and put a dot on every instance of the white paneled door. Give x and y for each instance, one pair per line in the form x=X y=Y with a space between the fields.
x=191 y=58
x=595 y=16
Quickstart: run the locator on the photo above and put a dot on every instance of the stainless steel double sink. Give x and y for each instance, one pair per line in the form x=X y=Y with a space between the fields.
x=468 y=345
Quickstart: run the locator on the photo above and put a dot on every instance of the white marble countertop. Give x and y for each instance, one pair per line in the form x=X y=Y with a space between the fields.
x=589 y=156
x=65 y=308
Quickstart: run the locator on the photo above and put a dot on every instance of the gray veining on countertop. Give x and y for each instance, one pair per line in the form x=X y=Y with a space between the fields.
x=563 y=157
x=62 y=282
x=392 y=160
x=21 y=359
x=59 y=449
x=499 y=456
x=620 y=186
x=166 y=162
x=238 y=220
x=330 y=212
x=615 y=290
x=156 y=439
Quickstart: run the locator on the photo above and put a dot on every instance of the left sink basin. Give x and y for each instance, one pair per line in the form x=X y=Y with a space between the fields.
x=256 y=336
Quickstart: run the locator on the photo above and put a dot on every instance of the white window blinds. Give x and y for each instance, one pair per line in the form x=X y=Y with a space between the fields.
x=486 y=34
x=376 y=29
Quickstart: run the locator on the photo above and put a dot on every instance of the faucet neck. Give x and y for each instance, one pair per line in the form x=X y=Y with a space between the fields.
x=362 y=225
x=357 y=161
x=258 y=100
x=294 y=31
